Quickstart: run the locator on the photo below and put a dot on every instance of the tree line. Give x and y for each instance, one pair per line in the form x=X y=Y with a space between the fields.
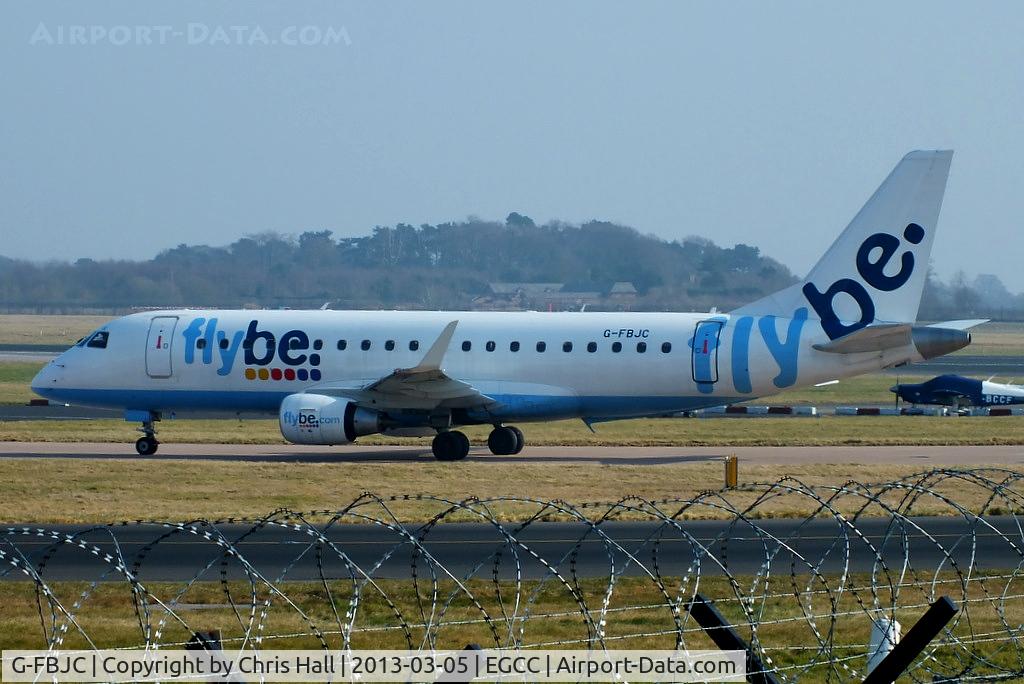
x=445 y=266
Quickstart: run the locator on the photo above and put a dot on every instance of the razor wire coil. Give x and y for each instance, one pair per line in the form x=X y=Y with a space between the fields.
x=803 y=591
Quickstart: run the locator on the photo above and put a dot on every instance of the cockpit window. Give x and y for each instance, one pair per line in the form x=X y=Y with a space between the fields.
x=98 y=340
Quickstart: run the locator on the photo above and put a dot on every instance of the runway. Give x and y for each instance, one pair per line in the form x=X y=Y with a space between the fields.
x=30 y=352
x=20 y=412
x=923 y=456
x=464 y=548
x=969 y=365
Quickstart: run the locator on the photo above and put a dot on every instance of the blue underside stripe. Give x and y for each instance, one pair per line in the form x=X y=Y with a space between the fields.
x=511 y=405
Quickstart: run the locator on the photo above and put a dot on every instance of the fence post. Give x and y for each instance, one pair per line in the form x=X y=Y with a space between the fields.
x=910 y=646
x=205 y=641
x=726 y=638
x=731 y=471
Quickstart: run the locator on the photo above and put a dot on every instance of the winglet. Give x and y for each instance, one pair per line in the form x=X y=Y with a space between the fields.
x=432 y=359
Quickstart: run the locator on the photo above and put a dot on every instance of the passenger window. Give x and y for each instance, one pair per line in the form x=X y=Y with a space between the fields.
x=99 y=340
x=201 y=343
x=616 y=347
x=666 y=347
x=414 y=345
x=466 y=345
x=390 y=345
x=365 y=346
x=342 y=344
x=567 y=347
x=641 y=347
x=490 y=345
x=591 y=347
x=223 y=343
x=513 y=346
x=541 y=346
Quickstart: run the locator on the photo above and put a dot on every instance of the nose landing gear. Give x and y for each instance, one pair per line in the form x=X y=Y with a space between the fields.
x=147 y=444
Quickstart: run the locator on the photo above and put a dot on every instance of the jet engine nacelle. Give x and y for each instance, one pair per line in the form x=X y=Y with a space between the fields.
x=319 y=419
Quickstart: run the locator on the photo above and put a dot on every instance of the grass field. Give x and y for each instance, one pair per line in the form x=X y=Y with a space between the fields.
x=15 y=377
x=92 y=490
x=996 y=339
x=637 y=619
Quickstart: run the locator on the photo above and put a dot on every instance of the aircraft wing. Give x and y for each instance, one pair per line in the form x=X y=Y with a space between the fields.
x=424 y=386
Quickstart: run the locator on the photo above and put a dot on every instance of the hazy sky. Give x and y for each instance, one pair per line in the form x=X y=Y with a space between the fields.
x=764 y=123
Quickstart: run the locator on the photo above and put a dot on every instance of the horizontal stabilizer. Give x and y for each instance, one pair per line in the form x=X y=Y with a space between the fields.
x=966 y=324
x=869 y=339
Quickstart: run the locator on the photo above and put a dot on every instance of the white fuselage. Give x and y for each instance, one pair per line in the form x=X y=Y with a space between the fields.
x=618 y=365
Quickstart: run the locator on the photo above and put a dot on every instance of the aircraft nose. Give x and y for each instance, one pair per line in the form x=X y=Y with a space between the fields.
x=47 y=379
x=895 y=389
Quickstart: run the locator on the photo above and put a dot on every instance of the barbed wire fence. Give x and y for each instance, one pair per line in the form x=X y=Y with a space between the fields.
x=803 y=591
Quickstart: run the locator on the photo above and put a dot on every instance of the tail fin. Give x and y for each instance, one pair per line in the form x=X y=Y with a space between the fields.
x=875 y=271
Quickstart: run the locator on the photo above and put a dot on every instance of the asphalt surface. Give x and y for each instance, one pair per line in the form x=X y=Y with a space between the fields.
x=53 y=349
x=464 y=548
x=31 y=352
x=923 y=456
x=21 y=412
x=971 y=366
x=26 y=356
x=56 y=412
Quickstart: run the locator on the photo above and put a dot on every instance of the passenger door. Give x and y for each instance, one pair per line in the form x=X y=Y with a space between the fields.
x=705 y=351
x=158 y=346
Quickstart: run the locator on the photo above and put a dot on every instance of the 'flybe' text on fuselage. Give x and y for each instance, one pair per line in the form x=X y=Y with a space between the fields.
x=202 y=335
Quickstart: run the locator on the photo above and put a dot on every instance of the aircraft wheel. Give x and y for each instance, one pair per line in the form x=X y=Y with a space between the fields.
x=504 y=441
x=146 y=446
x=450 y=446
x=520 y=440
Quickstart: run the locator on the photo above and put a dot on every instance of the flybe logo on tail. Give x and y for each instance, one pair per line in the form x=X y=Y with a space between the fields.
x=871 y=264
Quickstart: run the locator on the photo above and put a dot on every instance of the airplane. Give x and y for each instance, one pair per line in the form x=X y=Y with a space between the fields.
x=958 y=391
x=333 y=376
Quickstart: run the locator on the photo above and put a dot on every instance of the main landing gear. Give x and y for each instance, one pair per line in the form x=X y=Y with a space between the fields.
x=452 y=445
x=505 y=440
x=147 y=444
